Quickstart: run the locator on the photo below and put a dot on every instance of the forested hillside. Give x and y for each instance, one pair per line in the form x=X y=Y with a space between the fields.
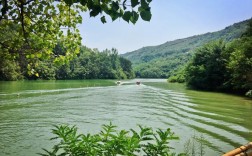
x=162 y=60
x=88 y=64
x=220 y=66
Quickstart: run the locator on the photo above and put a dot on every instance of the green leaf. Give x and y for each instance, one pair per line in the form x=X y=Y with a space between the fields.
x=115 y=6
x=146 y=15
x=83 y=2
x=134 y=3
x=103 y=19
x=134 y=17
x=126 y=16
x=144 y=4
x=114 y=16
x=140 y=9
x=32 y=56
x=96 y=2
x=95 y=11
x=39 y=55
x=68 y=2
x=121 y=12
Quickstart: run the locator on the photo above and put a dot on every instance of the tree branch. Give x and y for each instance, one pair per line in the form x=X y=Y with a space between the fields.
x=4 y=9
x=28 y=2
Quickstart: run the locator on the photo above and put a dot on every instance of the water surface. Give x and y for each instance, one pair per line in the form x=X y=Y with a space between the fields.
x=29 y=109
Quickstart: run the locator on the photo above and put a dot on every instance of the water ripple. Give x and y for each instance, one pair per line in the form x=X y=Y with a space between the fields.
x=29 y=117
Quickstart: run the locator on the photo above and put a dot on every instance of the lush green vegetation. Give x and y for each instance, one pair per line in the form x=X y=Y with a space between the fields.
x=221 y=65
x=206 y=70
x=31 y=30
x=165 y=60
x=110 y=142
x=89 y=64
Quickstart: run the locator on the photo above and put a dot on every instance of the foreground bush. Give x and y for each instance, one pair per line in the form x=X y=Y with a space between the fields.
x=110 y=142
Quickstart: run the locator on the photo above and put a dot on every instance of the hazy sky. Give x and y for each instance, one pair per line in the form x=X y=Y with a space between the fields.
x=171 y=19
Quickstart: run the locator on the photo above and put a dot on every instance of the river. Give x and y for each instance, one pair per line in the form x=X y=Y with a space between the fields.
x=29 y=109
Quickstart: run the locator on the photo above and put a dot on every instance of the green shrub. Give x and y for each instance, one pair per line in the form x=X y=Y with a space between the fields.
x=110 y=142
x=176 y=78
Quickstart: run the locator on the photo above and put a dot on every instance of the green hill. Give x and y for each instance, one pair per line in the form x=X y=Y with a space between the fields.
x=162 y=60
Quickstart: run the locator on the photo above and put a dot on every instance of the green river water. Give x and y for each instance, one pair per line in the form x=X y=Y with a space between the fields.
x=29 y=109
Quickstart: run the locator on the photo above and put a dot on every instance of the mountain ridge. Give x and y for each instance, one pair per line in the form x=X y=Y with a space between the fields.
x=160 y=61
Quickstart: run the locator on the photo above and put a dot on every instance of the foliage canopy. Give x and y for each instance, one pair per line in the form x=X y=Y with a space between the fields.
x=206 y=70
x=32 y=28
x=221 y=66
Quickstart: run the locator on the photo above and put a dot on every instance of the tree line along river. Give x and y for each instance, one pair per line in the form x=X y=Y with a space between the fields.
x=29 y=109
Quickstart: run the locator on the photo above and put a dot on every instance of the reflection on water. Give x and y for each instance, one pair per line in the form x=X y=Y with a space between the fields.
x=27 y=114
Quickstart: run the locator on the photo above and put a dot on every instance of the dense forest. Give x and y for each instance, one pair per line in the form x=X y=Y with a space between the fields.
x=220 y=66
x=163 y=60
x=88 y=64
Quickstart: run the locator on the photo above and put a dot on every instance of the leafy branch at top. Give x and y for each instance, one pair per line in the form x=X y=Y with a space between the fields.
x=41 y=24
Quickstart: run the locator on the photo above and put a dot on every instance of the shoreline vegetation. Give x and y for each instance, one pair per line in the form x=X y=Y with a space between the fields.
x=220 y=66
x=88 y=64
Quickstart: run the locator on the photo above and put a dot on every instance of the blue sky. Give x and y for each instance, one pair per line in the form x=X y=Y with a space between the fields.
x=171 y=19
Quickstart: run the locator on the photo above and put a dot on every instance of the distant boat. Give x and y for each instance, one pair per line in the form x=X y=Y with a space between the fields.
x=138 y=82
x=118 y=82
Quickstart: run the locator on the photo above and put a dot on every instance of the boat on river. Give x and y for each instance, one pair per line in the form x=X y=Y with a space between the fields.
x=138 y=82
x=118 y=82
